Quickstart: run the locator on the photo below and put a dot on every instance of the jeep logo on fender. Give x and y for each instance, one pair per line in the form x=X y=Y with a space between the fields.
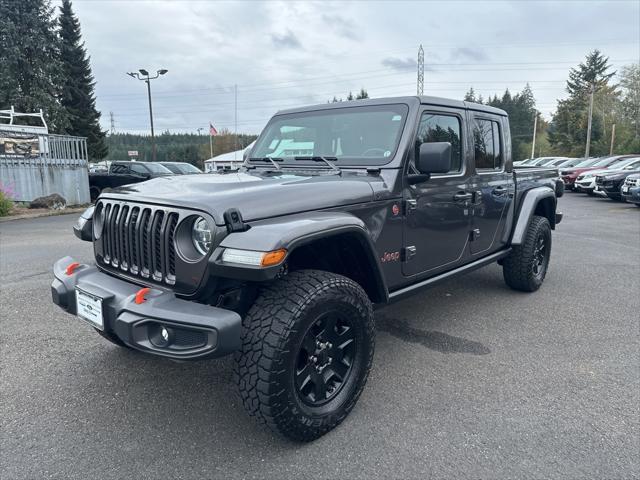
x=390 y=257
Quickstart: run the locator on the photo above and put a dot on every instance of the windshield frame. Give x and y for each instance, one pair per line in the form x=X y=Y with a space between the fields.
x=344 y=161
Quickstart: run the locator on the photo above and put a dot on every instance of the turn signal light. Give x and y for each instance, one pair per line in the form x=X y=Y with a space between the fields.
x=273 y=258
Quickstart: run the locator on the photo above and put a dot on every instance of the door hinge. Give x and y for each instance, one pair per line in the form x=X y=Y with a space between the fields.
x=408 y=253
x=474 y=234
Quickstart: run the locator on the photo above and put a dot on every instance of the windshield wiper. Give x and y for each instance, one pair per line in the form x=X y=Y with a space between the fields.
x=317 y=158
x=273 y=160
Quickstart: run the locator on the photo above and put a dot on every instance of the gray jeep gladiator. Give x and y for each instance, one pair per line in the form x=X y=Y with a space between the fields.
x=337 y=208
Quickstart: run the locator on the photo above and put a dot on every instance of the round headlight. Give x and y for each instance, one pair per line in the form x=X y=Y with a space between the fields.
x=202 y=235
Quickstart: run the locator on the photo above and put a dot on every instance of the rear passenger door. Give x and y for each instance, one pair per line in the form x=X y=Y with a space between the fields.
x=491 y=184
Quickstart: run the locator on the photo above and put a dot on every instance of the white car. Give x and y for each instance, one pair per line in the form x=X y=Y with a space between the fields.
x=586 y=182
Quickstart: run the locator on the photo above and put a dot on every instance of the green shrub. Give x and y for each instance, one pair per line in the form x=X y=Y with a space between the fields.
x=5 y=204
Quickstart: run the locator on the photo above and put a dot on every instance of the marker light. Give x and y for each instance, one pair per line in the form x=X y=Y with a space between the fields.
x=254 y=258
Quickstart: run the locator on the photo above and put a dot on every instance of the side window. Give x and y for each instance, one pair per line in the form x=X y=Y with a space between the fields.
x=119 y=168
x=435 y=127
x=487 y=146
x=139 y=169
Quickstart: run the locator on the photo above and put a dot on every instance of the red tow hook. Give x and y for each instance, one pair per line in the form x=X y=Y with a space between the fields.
x=71 y=268
x=140 y=295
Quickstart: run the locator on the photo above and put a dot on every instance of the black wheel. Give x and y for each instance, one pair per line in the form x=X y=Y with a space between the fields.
x=94 y=193
x=112 y=338
x=526 y=266
x=306 y=352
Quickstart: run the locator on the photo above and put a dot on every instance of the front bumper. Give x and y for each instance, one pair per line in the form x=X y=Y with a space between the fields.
x=195 y=331
x=632 y=195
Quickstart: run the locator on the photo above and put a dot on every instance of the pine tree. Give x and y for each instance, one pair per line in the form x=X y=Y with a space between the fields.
x=30 y=69
x=78 y=85
x=362 y=94
x=470 y=96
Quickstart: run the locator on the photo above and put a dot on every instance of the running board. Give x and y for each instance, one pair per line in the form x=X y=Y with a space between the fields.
x=429 y=282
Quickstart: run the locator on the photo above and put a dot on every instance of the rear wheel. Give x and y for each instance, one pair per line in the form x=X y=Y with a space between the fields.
x=526 y=266
x=307 y=348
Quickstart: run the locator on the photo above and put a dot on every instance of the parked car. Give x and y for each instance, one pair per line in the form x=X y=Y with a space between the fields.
x=555 y=162
x=280 y=264
x=181 y=168
x=570 y=175
x=609 y=183
x=586 y=181
x=630 y=190
x=570 y=162
x=124 y=173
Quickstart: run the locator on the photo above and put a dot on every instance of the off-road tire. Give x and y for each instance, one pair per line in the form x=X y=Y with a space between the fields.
x=272 y=333
x=518 y=268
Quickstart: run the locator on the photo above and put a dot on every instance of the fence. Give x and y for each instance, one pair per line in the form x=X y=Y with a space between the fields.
x=35 y=165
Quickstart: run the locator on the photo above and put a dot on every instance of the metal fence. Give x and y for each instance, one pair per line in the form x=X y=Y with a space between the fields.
x=56 y=164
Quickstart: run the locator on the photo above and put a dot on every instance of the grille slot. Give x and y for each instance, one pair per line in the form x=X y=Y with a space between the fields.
x=140 y=240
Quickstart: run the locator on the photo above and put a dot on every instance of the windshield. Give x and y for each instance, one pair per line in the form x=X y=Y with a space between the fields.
x=605 y=162
x=350 y=136
x=187 y=168
x=173 y=168
x=587 y=163
x=569 y=163
x=156 y=168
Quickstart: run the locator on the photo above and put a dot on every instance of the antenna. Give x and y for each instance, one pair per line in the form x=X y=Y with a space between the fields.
x=420 y=70
x=112 y=120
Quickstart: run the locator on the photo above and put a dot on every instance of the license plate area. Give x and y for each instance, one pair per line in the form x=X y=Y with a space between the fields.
x=89 y=308
x=625 y=189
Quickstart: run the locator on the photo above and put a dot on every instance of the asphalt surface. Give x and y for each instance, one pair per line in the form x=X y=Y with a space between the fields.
x=470 y=379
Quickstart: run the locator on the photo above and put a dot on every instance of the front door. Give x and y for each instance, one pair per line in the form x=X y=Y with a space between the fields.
x=437 y=219
x=492 y=186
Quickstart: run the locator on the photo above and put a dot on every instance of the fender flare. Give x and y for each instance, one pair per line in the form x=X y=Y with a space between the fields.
x=528 y=206
x=291 y=232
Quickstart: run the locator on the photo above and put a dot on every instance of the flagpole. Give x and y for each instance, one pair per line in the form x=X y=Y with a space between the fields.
x=211 y=143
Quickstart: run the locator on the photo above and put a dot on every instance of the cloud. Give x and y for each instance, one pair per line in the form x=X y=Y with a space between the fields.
x=400 y=64
x=468 y=53
x=288 y=40
x=343 y=27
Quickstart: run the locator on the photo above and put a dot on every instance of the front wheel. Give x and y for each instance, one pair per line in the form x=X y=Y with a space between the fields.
x=307 y=348
x=526 y=266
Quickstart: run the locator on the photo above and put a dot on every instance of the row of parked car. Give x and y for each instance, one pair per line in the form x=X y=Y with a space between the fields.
x=116 y=174
x=614 y=176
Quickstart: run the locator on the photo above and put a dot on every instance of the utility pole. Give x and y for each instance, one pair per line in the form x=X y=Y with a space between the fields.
x=112 y=121
x=144 y=76
x=613 y=138
x=235 y=108
x=535 y=128
x=420 y=88
x=586 y=152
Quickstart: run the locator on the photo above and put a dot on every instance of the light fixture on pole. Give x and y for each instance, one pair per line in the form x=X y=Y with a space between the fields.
x=144 y=76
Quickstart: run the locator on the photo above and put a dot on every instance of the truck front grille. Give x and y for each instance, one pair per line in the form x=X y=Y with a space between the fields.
x=139 y=240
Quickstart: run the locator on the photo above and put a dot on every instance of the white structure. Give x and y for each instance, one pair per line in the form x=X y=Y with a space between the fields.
x=226 y=161
x=34 y=163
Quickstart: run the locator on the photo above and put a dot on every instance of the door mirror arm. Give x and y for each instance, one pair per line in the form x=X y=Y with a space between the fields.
x=415 y=178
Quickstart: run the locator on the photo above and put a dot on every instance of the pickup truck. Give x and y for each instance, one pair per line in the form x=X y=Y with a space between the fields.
x=282 y=262
x=124 y=173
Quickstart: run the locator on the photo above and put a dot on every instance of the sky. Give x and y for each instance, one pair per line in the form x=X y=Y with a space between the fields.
x=283 y=54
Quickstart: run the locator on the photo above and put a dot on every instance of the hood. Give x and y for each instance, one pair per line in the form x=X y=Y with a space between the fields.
x=597 y=171
x=256 y=193
x=618 y=174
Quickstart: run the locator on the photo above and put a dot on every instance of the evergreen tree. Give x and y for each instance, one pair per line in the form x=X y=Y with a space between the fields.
x=470 y=96
x=350 y=97
x=30 y=69
x=78 y=85
x=361 y=94
x=568 y=132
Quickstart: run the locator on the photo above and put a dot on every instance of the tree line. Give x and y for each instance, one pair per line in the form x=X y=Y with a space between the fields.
x=45 y=66
x=175 y=147
x=566 y=134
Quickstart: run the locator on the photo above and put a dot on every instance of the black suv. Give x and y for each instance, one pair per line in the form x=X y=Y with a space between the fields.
x=337 y=208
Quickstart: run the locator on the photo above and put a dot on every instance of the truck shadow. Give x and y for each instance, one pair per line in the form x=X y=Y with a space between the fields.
x=432 y=339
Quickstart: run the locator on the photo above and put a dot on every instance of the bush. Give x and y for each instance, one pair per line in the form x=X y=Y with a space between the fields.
x=5 y=204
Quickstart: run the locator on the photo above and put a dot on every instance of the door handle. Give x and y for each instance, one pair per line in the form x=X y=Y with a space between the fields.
x=463 y=197
x=499 y=191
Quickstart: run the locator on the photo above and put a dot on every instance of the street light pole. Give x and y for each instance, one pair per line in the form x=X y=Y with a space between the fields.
x=145 y=77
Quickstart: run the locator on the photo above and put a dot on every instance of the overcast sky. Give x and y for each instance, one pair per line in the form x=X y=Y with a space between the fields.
x=283 y=54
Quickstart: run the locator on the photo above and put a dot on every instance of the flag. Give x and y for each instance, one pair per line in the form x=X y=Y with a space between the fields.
x=212 y=130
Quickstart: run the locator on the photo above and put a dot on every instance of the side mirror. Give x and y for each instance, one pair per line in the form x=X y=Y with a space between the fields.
x=434 y=158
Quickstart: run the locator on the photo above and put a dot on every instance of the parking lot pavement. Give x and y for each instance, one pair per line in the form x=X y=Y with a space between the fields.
x=470 y=379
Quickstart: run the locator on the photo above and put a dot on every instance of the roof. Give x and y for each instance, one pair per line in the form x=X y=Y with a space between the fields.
x=411 y=100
